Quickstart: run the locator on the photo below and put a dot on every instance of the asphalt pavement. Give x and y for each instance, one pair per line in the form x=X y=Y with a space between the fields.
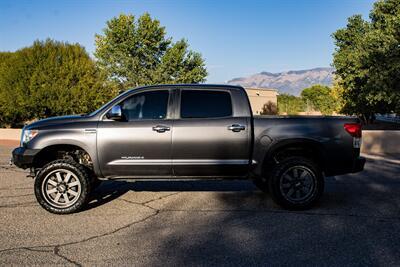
x=205 y=223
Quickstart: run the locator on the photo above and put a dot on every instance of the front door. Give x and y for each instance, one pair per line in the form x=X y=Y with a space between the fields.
x=208 y=139
x=138 y=145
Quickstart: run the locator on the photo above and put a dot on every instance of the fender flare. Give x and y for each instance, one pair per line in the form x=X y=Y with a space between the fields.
x=314 y=145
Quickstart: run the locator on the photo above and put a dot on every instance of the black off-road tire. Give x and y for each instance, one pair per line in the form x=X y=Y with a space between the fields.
x=63 y=167
x=279 y=183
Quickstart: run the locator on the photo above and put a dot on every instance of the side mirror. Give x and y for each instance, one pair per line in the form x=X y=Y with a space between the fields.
x=115 y=113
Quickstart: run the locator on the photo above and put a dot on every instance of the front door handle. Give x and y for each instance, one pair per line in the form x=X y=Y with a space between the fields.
x=161 y=128
x=236 y=128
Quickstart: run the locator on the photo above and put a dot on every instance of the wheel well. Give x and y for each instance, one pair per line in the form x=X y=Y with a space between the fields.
x=308 y=151
x=55 y=152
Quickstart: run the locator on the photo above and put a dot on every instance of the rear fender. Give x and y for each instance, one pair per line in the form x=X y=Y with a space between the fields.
x=267 y=153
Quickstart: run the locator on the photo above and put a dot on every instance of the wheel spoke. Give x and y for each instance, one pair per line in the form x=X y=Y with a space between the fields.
x=73 y=184
x=291 y=191
x=304 y=174
x=66 y=179
x=296 y=173
x=72 y=192
x=57 y=198
x=51 y=191
x=58 y=175
x=66 y=199
x=52 y=182
x=288 y=177
x=286 y=185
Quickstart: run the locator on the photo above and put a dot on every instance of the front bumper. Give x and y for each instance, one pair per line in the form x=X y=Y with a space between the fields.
x=358 y=164
x=23 y=157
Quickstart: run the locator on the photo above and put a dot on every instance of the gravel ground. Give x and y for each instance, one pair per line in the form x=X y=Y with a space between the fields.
x=220 y=223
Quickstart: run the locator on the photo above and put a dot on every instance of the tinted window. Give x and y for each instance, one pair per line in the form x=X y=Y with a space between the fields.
x=147 y=105
x=205 y=104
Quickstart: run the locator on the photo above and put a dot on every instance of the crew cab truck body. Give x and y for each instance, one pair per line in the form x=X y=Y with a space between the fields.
x=186 y=132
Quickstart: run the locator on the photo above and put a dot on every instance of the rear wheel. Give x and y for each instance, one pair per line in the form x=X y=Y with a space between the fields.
x=296 y=183
x=62 y=187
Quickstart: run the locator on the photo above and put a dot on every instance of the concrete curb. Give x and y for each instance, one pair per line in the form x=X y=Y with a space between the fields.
x=394 y=160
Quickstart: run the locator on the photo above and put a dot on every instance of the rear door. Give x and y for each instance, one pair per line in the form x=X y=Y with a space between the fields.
x=208 y=139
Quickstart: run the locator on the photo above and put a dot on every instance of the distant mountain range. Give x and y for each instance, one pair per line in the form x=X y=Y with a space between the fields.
x=290 y=82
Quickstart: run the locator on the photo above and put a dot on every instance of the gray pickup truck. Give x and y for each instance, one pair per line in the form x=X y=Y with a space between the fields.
x=186 y=132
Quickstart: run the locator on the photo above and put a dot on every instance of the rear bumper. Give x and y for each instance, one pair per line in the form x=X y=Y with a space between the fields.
x=23 y=157
x=343 y=167
x=358 y=164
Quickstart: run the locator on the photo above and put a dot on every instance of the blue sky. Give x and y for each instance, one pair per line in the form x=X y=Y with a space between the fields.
x=237 y=38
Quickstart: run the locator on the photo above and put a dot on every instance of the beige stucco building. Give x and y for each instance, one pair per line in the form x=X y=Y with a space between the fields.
x=260 y=96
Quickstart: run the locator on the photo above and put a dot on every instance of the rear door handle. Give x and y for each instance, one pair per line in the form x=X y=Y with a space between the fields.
x=161 y=128
x=236 y=128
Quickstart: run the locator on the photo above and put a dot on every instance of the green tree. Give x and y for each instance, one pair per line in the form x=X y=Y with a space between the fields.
x=319 y=97
x=290 y=104
x=367 y=61
x=49 y=79
x=137 y=52
x=5 y=58
x=337 y=95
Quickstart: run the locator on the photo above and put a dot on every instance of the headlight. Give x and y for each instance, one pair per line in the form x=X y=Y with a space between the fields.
x=28 y=135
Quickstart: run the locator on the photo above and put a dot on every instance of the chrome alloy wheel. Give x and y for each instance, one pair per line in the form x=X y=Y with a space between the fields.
x=61 y=188
x=297 y=184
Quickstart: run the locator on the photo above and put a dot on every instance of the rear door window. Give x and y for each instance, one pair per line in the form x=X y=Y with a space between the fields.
x=205 y=104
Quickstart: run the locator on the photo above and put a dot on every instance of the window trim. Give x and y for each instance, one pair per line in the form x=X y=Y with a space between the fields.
x=179 y=98
x=169 y=105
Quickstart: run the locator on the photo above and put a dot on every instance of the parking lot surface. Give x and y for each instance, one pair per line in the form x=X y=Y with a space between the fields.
x=220 y=223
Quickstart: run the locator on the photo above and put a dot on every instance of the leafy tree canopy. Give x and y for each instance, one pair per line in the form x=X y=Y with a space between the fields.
x=290 y=104
x=319 y=97
x=48 y=79
x=367 y=61
x=137 y=52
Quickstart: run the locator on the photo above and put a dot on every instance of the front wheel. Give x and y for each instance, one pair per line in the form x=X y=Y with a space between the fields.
x=62 y=186
x=296 y=183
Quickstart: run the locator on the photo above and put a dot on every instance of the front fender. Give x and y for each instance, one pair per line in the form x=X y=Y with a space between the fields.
x=79 y=137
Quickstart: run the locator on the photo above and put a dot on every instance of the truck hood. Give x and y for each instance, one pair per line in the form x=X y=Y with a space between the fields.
x=57 y=121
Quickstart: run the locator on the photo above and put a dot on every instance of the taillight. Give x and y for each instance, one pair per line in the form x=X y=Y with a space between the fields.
x=354 y=129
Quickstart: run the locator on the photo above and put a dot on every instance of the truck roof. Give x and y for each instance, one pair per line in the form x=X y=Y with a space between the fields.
x=191 y=85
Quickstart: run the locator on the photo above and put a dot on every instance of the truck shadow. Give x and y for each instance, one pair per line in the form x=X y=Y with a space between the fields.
x=233 y=223
x=364 y=191
x=111 y=190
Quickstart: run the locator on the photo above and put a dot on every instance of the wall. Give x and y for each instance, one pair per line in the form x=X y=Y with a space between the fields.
x=381 y=142
x=260 y=96
x=10 y=134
